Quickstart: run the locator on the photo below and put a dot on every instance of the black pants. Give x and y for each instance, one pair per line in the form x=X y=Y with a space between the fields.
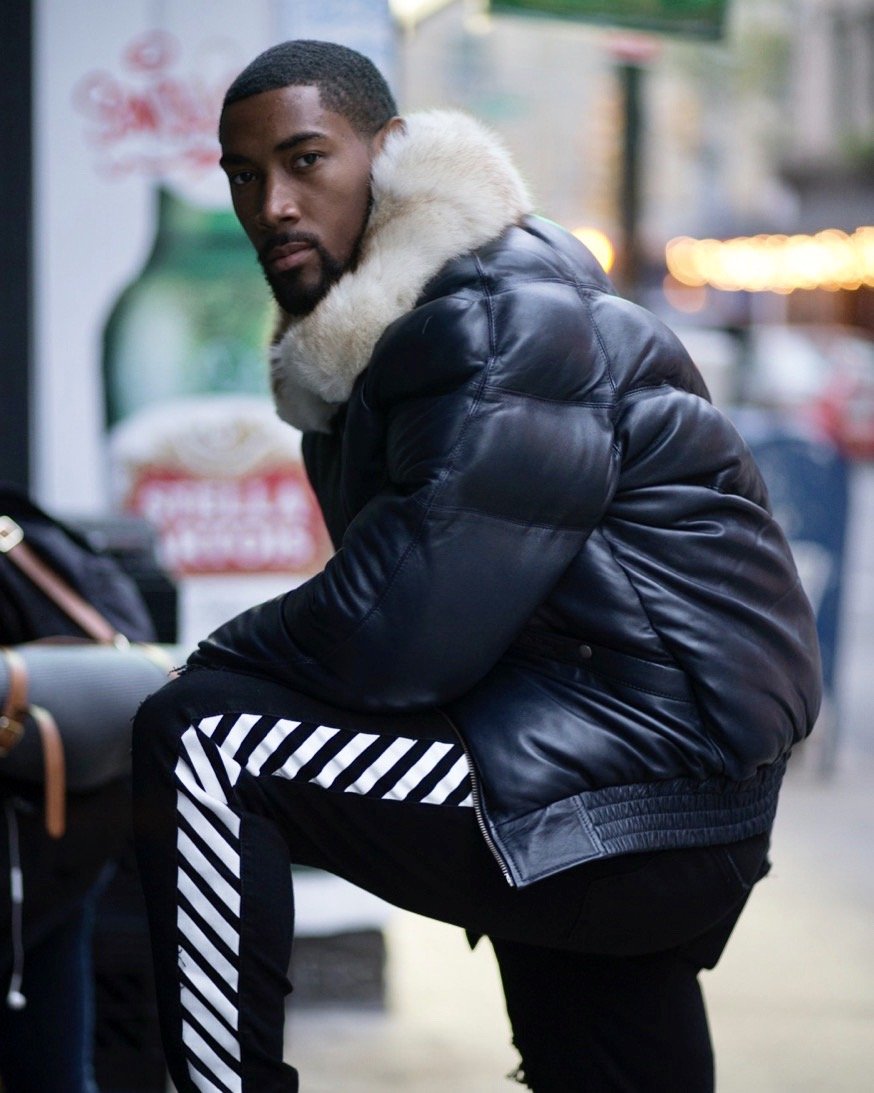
x=236 y=778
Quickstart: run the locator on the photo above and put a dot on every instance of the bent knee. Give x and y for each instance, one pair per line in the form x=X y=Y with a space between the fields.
x=164 y=716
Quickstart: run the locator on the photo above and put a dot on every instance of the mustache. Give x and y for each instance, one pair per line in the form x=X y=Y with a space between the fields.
x=282 y=239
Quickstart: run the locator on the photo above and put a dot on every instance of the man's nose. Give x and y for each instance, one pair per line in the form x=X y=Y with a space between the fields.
x=279 y=203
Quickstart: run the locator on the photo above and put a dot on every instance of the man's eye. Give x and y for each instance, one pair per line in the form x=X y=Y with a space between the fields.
x=240 y=178
x=308 y=159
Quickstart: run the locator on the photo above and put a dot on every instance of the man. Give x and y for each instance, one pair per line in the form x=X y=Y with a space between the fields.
x=547 y=685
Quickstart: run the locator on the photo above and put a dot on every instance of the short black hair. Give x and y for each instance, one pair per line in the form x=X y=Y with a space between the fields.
x=349 y=83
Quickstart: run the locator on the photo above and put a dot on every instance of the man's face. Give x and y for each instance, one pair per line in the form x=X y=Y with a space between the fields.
x=300 y=184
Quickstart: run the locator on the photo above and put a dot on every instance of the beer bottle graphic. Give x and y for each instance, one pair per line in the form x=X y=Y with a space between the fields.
x=193 y=442
x=194 y=321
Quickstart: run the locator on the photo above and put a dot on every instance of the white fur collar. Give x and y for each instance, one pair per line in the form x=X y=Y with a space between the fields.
x=443 y=186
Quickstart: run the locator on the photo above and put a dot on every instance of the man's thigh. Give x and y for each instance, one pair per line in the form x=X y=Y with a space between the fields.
x=386 y=802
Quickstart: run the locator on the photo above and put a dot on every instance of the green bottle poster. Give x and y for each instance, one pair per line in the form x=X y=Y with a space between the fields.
x=194 y=444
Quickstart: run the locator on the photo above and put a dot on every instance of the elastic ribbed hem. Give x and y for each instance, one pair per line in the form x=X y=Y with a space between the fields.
x=631 y=819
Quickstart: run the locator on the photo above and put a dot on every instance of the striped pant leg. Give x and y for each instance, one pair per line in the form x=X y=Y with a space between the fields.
x=222 y=998
x=205 y=863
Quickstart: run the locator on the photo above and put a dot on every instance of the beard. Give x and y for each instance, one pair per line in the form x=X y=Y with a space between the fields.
x=295 y=295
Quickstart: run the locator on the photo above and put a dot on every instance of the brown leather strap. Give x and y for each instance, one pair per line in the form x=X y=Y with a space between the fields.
x=15 y=709
x=55 y=771
x=158 y=656
x=15 y=704
x=85 y=616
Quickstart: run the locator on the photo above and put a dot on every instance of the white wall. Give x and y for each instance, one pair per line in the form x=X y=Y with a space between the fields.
x=92 y=229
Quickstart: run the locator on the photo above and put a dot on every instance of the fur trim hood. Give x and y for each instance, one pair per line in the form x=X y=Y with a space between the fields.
x=442 y=186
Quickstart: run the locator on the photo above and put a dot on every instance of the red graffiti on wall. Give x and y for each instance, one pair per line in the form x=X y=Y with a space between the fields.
x=155 y=117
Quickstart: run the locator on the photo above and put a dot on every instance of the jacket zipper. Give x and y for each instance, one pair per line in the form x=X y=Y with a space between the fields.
x=477 y=805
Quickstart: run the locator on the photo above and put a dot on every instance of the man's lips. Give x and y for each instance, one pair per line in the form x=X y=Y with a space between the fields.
x=287 y=256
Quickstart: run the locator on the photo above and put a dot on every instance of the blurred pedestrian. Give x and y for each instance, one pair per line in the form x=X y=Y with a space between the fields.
x=546 y=687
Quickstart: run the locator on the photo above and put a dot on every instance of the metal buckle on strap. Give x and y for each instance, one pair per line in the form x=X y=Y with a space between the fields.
x=11 y=732
x=10 y=534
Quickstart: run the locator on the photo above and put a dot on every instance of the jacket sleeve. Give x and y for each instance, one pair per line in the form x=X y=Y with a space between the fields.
x=487 y=494
x=322 y=453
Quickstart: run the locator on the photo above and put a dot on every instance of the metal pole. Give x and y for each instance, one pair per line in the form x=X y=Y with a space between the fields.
x=15 y=231
x=629 y=195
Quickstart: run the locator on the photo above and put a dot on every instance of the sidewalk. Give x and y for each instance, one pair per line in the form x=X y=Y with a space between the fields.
x=791 y=1003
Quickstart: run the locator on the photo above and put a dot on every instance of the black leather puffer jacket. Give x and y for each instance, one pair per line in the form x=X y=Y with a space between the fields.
x=545 y=529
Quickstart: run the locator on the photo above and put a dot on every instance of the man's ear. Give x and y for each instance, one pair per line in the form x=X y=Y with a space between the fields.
x=393 y=125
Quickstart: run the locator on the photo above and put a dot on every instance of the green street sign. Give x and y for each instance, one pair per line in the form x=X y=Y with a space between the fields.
x=704 y=18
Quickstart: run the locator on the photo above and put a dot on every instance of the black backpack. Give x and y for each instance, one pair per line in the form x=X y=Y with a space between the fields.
x=57 y=872
x=26 y=612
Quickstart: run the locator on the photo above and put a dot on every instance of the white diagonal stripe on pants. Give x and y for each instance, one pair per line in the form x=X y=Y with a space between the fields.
x=205 y=910
x=226 y=853
x=239 y=732
x=348 y=754
x=381 y=765
x=218 y=808
x=417 y=772
x=219 y=1001
x=449 y=782
x=200 y=865
x=202 y=1051
x=211 y=797
x=313 y=743
x=269 y=744
x=207 y=1020
x=208 y=955
x=209 y=724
